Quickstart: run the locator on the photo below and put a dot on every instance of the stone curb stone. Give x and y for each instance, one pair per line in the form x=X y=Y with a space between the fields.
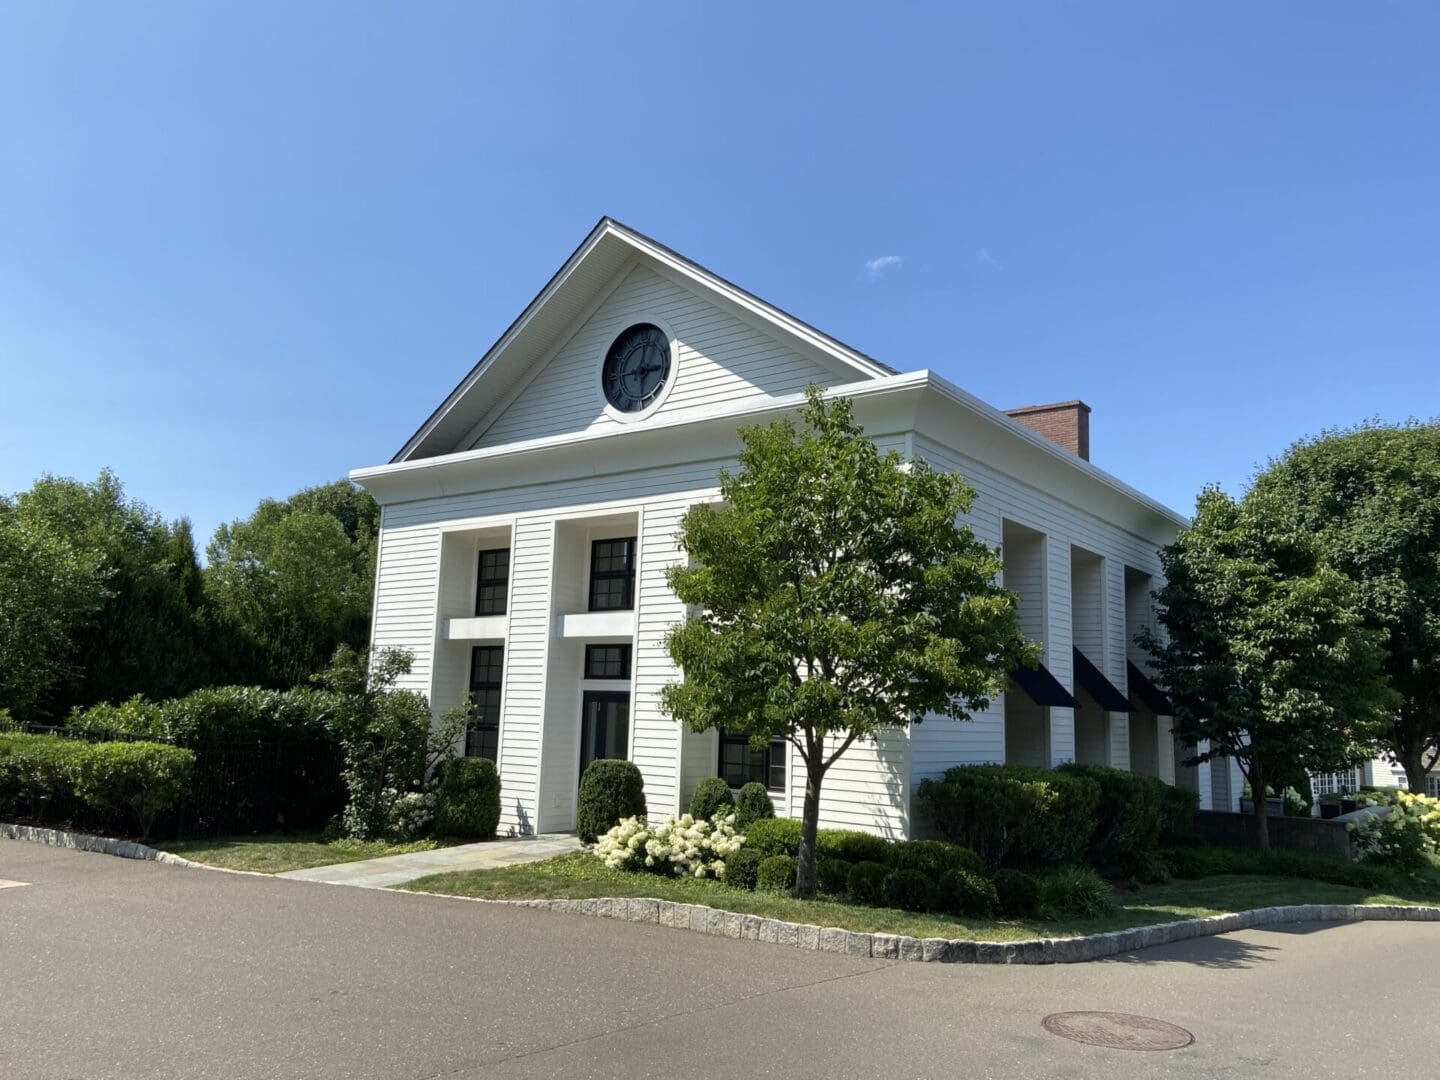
x=698 y=918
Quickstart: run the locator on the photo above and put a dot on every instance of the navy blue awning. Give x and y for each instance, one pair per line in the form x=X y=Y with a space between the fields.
x=1150 y=695
x=1042 y=687
x=1093 y=681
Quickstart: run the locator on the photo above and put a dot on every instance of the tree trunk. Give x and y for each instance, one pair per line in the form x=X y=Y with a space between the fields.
x=1262 y=805
x=809 y=826
x=1412 y=760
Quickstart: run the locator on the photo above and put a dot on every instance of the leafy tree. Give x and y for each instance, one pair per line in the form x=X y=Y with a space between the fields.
x=837 y=598
x=1371 y=497
x=148 y=635
x=391 y=745
x=50 y=591
x=294 y=581
x=1264 y=653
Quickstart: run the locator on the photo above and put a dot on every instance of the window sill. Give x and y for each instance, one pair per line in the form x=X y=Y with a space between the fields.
x=476 y=628
x=597 y=625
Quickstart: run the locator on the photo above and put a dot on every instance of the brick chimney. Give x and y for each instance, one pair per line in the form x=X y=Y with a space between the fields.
x=1066 y=423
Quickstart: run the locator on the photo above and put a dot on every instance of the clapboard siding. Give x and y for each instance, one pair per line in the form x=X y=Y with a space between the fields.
x=719 y=357
x=522 y=719
x=406 y=590
x=1000 y=498
x=656 y=740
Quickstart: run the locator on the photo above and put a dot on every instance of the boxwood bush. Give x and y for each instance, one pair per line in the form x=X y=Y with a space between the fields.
x=932 y=857
x=743 y=868
x=111 y=786
x=774 y=836
x=1127 y=819
x=832 y=876
x=1012 y=815
x=611 y=789
x=711 y=797
x=851 y=845
x=909 y=890
x=1017 y=893
x=467 y=801
x=776 y=874
x=866 y=882
x=960 y=892
x=752 y=804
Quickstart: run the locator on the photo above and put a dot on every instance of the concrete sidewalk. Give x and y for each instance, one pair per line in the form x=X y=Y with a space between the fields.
x=393 y=870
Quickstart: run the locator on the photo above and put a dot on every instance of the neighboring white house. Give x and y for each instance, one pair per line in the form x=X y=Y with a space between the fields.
x=528 y=524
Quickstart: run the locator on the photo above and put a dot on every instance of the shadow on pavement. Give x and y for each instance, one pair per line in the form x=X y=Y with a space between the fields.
x=1223 y=951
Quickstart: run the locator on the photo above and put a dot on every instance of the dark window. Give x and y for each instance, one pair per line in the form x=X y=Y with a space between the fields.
x=741 y=763
x=612 y=575
x=604 y=726
x=493 y=582
x=482 y=734
x=607 y=661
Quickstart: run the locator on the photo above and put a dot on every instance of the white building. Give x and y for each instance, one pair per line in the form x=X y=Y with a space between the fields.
x=528 y=524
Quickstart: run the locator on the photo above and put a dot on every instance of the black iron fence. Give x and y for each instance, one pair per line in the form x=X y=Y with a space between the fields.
x=247 y=786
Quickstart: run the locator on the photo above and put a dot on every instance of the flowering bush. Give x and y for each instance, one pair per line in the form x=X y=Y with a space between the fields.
x=410 y=813
x=681 y=846
x=1407 y=837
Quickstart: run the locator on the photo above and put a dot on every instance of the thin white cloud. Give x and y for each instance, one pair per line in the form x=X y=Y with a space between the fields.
x=881 y=265
x=984 y=258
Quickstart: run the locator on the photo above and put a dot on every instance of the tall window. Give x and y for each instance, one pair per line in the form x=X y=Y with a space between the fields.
x=493 y=582
x=1344 y=782
x=612 y=575
x=482 y=734
x=741 y=763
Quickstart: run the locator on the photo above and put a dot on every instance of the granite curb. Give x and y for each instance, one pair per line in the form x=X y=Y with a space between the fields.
x=701 y=919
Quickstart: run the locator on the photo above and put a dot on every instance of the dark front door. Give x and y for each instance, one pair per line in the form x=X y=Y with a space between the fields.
x=604 y=726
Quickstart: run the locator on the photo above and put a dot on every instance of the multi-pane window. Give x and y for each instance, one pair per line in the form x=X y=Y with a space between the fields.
x=1343 y=782
x=1432 y=786
x=482 y=734
x=492 y=584
x=607 y=661
x=741 y=763
x=612 y=574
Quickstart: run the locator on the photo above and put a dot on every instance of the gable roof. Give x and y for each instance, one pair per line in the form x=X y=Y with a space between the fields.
x=556 y=309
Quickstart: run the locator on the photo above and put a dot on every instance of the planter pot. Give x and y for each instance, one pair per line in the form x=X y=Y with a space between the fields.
x=1274 y=806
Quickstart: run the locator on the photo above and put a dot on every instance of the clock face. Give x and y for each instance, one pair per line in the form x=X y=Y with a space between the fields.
x=636 y=368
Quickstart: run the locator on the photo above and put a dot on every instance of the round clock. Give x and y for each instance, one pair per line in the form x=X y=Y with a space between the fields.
x=636 y=367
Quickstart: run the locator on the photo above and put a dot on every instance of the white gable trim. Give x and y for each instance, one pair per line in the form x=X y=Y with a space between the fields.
x=834 y=353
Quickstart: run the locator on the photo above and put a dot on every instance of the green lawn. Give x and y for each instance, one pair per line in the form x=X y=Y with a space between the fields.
x=582 y=875
x=277 y=853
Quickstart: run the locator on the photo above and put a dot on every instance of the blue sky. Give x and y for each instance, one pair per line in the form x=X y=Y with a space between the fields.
x=243 y=251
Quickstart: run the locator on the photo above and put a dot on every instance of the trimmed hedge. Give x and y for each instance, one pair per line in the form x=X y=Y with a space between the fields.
x=1178 y=808
x=932 y=857
x=467 y=801
x=611 y=789
x=111 y=786
x=960 y=892
x=751 y=805
x=1012 y=815
x=1199 y=862
x=1017 y=892
x=743 y=868
x=1127 y=819
x=850 y=845
x=711 y=797
x=218 y=714
x=909 y=890
x=832 y=876
x=774 y=836
x=866 y=882
x=776 y=874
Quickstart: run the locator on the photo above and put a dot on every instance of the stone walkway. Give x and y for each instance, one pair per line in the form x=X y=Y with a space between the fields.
x=393 y=870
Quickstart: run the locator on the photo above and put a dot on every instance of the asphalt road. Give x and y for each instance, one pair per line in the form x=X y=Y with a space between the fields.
x=111 y=968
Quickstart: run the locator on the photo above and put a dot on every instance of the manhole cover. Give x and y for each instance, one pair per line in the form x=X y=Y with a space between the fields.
x=1119 y=1031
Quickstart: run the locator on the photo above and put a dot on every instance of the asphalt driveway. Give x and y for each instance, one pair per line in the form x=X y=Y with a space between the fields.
x=111 y=968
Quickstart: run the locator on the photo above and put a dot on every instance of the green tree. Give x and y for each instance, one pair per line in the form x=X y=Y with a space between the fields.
x=837 y=598
x=1371 y=497
x=50 y=592
x=1264 y=653
x=294 y=581
x=148 y=636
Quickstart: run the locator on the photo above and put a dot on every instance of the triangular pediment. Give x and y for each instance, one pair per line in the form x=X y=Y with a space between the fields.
x=542 y=377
